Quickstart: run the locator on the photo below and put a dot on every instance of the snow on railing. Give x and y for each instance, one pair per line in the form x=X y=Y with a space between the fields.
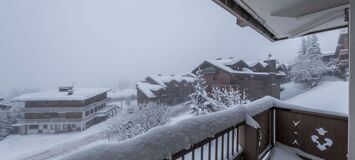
x=165 y=141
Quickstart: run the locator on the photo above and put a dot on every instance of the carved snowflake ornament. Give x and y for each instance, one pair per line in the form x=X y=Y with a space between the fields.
x=327 y=141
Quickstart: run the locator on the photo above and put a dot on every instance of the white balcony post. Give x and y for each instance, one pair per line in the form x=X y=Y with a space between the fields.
x=351 y=122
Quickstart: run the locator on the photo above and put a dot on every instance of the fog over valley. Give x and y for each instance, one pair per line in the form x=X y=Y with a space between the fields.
x=88 y=43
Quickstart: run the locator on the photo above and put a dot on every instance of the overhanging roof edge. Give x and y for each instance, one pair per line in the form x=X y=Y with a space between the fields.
x=242 y=14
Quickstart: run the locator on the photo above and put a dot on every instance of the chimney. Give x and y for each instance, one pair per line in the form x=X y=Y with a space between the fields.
x=271 y=65
x=70 y=92
x=65 y=88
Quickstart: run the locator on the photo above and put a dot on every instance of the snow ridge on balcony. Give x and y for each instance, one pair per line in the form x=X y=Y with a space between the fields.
x=163 y=141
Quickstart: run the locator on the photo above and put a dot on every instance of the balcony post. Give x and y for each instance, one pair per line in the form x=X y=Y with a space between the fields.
x=351 y=120
x=251 y=143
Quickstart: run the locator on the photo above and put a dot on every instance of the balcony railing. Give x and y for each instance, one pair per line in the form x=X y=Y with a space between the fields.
x=51 y=120
x=102 y=112
x=291 y=125
x=242 y=132
x=61 y=109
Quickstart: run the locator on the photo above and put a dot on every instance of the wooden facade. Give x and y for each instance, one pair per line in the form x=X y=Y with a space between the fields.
x=56 y=116
x=171 y=92
x=258 y=81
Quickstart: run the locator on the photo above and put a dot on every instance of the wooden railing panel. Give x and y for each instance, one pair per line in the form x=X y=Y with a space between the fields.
x=322 y=136
x=265 y=135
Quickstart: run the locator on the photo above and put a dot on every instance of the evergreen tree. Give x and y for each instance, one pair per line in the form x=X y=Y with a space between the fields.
x=202 y=103
x=309 y=67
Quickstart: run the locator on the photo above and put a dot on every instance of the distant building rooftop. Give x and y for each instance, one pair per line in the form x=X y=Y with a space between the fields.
x=79 y=94
x=162 y=81
x=225 y=64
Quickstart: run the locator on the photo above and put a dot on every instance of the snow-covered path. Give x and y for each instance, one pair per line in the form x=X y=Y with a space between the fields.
x=66 y=148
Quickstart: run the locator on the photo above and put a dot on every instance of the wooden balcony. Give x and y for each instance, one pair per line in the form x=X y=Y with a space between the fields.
x=40 y=109
x=313 y=132
x=253 y=131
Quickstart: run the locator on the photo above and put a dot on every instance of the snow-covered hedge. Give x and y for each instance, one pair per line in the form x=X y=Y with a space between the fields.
x=163 y=141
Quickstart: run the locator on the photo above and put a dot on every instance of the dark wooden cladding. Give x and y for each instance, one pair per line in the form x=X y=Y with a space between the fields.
x=296 y=128
x=265 y=135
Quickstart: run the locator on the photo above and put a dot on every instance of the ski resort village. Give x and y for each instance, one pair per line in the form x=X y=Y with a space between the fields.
x=177 y=80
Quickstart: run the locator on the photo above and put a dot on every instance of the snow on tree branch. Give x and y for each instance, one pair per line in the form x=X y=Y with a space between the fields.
x=138 y=122
x=309 y=67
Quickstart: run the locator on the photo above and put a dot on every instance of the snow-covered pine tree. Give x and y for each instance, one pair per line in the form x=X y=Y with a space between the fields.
x=202 y=103
x=309 y=67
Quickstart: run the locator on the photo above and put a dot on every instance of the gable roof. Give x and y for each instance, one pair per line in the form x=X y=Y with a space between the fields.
x=224 y=64
x=148 y=89
x=161 y=83
x=164 y=79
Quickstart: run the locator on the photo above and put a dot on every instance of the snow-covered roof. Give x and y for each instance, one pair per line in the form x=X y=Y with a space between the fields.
x=148 y=88
x=331 y=53
x=225 y=63
x=162 y=81
x=4 y=104
x=79 y=94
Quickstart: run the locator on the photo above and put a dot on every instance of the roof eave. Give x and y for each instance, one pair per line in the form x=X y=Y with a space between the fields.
x=248 y=20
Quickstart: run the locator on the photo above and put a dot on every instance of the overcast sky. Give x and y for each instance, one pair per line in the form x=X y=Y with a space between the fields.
x=94 y=43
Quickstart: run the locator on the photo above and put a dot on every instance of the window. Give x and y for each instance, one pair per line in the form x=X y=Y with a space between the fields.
x=214 y=78
x=44 y=126
x=87 y=113
x=33 y=126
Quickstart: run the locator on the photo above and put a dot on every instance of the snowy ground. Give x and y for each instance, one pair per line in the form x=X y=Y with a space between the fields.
x=53 y=147
x=16 y=147
x=116 y=94
x=330 y=95
x=292 y=89
x=48 y=146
